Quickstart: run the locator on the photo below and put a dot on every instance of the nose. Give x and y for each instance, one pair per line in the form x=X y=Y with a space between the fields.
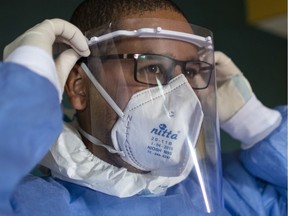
x=178 y=70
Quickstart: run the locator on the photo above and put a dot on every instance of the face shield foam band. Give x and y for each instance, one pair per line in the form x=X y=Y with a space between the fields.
x=156 y=33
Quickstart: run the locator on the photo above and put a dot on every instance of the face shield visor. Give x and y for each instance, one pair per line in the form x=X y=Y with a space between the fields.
x=152 y=102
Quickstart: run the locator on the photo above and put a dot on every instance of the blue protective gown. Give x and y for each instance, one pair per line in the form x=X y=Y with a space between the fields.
x=254 y=180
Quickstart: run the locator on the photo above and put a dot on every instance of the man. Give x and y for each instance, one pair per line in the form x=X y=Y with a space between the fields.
x=112 y=83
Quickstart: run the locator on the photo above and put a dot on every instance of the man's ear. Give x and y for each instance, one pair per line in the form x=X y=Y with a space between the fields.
x=76 y=88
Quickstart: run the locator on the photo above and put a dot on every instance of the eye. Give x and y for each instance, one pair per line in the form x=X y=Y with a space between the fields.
x=155 y=69
x=190 y=72
x=151 y=67
x=192 y=69
x=151 y=73
x=198 y=74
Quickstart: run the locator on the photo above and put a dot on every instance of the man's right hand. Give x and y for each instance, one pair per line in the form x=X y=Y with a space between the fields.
x=46 y=36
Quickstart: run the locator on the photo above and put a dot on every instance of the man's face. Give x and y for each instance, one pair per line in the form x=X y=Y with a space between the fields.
x=117 y=76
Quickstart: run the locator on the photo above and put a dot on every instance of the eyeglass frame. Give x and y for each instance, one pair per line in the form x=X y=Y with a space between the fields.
x=176 y=62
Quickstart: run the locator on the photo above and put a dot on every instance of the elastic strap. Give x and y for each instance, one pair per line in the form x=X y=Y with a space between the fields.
x=102 y=91
x=97 y=142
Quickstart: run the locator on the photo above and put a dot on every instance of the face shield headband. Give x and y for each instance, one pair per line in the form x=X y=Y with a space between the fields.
x=158 y=32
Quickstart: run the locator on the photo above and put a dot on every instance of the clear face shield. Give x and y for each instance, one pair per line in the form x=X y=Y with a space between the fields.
x=152 y=103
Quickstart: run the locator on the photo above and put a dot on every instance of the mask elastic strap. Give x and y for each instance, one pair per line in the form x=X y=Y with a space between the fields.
x=97 y=142
x=102 y=91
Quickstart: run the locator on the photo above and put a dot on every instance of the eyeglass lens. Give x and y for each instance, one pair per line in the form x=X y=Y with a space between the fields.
x=155 y=69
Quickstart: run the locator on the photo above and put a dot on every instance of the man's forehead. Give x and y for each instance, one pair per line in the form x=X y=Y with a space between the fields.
x=159 y=16
x=175 y=48
x=168 y=24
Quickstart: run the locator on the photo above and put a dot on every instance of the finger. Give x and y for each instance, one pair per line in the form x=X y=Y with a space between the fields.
x=225 y=68
x=59 y=48
x=70 y=34
x=64 y=63
x=221 y=58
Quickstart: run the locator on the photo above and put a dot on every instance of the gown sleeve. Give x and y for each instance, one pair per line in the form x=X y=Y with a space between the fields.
x=30 y=122
x=267 y=159
x=254 y=180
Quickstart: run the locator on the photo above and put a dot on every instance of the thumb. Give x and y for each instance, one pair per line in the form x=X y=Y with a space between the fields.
x=64 y=63
x=225 y=67
x=221 y=58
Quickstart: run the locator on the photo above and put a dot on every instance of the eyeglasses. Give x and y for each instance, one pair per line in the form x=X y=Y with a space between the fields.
x=153 y=69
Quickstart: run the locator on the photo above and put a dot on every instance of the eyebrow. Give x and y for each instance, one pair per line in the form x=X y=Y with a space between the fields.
x=171 y=55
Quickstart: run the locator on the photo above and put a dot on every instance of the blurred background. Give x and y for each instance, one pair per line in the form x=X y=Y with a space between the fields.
x=251 y=32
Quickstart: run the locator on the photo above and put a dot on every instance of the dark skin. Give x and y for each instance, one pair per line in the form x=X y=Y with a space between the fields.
x=94 y=114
